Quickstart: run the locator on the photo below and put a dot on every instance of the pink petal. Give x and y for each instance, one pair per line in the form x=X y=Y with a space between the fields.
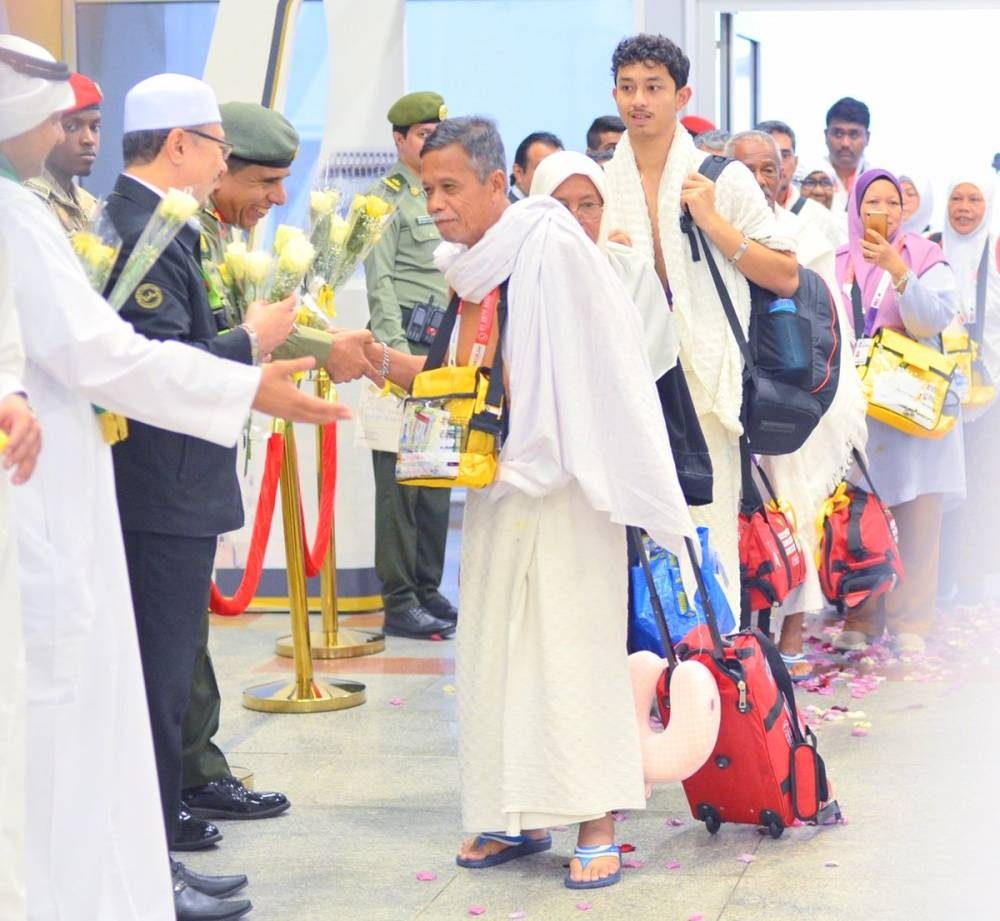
x=697 y=917
x=619 y=816
x=475 y=910
x=673 y=865
x=633 y=863
x=674 y=822
x=425 y=876
x=584 y=906
x=859 y=732
x=396 y=701
x=745 y=858
x=515 y=915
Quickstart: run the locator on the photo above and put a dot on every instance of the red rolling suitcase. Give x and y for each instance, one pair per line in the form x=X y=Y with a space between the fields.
x=765 y=769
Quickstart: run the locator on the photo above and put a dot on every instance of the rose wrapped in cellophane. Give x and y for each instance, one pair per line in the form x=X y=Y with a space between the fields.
x=97 y=248
x=369 y=215
x=174 y=210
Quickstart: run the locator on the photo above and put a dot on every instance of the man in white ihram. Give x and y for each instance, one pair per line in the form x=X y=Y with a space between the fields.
x=94 y=846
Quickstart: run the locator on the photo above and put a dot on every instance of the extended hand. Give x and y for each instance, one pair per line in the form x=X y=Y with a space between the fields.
x=278 y=396
x=698 y=193
x=24 y=437
x=347 y=360
x=271 y=322
x=620 y=236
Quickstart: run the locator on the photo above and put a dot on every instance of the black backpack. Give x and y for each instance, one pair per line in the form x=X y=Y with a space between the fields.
x=792 y=359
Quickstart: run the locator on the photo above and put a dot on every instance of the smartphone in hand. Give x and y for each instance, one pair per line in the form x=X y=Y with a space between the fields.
x=877 y=221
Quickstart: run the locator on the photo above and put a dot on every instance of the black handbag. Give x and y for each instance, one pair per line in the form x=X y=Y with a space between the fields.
x=687 y=442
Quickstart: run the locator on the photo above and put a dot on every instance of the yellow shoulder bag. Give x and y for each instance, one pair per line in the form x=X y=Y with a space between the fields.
x=453 y=420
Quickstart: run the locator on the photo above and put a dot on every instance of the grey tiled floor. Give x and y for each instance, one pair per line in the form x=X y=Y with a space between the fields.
x=374 y=793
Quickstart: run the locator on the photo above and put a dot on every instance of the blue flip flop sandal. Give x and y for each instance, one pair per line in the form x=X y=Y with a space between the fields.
x=797 y=659
x=587 y=854
x=517 y=846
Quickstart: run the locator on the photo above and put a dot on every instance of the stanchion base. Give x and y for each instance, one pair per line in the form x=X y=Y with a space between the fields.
x=283 y=697
x=349 y=644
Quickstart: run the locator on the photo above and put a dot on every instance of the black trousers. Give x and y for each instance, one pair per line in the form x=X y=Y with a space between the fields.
x=170 y=579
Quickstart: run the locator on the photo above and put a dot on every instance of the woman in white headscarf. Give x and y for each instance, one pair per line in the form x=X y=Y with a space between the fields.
x=968 y=247
x=578 y=183
x=918 y=204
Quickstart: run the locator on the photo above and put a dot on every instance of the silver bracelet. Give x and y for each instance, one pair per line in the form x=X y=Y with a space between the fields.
x=740 y=250
x=384 y=370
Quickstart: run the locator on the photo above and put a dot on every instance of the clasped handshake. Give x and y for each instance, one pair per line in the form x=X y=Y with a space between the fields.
x=273 y=323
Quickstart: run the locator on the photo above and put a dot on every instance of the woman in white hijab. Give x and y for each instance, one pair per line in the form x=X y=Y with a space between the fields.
x=918 y=205
x=968 y=247
x=577 y=182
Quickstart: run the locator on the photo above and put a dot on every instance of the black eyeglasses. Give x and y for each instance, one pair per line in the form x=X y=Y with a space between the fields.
x=812 y=183
x=34 y=67
x=227 y=148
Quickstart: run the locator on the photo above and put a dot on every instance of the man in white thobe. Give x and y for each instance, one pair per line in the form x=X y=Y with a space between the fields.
x=94 y=842
x=19 y=443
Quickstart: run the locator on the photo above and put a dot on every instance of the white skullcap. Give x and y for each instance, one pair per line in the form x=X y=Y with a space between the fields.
x=556 y=168
x=170 y=101
x=26 y=101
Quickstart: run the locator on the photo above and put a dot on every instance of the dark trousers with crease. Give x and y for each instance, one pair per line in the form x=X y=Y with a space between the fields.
x=170 y=578
x=411 y=530
x=202 y=761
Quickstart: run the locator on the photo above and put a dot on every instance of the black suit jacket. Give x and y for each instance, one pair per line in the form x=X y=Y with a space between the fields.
x=169 y=483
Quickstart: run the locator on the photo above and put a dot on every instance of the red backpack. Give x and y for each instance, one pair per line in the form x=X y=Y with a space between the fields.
x=771 y=559
x=858 y=555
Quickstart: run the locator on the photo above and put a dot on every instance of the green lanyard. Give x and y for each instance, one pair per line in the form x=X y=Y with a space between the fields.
x=7 y=169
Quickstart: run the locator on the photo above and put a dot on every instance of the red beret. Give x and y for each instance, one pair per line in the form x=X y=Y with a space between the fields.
x=88 y=93
x=695 y=124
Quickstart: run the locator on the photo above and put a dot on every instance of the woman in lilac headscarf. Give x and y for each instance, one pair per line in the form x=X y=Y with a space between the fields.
x=905 y=284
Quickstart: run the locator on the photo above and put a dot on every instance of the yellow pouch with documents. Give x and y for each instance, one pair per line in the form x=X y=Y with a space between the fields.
x=906 y=384
x=453 y=419
x=971 y=382
x=450 y=432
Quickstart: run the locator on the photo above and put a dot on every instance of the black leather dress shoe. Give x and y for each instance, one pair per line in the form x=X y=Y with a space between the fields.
x=416 y=622
x=219 y=887
x=442 y=608
x=227 y=798
x=194 y=834
x=192 y=905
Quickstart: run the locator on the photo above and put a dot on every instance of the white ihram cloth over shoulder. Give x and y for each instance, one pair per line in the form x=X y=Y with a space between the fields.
x=708 y=351
x=544 y=564
x=95 y=843
x=12 y=704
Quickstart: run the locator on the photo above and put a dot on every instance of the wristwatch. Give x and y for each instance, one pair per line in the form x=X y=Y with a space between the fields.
x=254 y=342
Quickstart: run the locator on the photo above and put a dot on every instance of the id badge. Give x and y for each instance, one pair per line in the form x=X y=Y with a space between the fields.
x=861 y=349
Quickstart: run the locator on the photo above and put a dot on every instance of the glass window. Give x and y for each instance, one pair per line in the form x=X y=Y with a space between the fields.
x=119 y=44
x=546 y=67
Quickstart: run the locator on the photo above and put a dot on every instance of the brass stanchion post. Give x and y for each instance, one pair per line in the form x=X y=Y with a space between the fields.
x=305 y=694
x=333 y=642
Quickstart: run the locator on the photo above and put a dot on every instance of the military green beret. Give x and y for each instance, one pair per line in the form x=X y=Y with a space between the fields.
x=416 y=109
x=259 y=135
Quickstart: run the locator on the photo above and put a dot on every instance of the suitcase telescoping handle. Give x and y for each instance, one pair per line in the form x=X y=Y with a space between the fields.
x=638 y=549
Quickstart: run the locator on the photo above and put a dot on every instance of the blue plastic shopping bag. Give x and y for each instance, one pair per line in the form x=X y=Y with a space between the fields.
x=679 y=613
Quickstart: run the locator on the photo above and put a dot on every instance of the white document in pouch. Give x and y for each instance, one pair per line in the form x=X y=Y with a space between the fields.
x=380 y=419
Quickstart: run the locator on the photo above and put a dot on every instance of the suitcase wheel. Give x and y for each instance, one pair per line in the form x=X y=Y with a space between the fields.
x=710 y=816
x=772 y=823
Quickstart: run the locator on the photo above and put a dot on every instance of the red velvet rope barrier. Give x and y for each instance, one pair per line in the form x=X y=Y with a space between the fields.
x=327 y=495
x=238 y=603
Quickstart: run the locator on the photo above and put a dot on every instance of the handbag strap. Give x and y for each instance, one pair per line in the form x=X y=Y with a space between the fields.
x=638 y=550
x=439 y=347
x=750 y=498
x=981 y=281
x=706 y=603
x=858 y=311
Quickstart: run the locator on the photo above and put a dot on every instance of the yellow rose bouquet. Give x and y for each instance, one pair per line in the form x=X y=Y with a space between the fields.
x=293 y=256
x=174 y=210
x=369 y=215
x=97 y=248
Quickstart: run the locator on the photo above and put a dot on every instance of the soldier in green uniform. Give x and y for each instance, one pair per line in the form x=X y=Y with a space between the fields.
x=74 y=157
x=404 y=287
x=264 y=146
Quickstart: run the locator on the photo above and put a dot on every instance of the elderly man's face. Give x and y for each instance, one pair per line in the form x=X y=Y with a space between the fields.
x=463 y=206
x=28 y=152
x=759 y=158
